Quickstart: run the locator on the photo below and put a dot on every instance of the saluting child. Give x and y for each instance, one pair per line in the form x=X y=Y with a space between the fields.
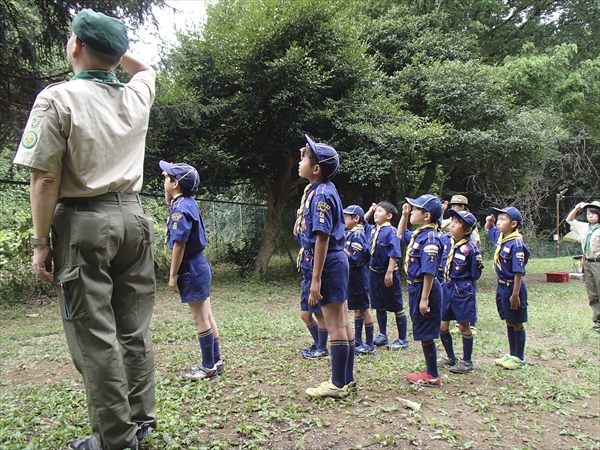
x=462 y=266
x=320 y=231
x=190 y=274
x=384 y=277
x=358 y=251
x=423 y=254
x=510 y=258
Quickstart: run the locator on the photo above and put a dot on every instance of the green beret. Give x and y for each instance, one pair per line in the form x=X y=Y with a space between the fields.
x=102 y=33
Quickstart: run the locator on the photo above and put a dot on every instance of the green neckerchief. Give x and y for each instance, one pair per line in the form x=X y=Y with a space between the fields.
x=99 y=76
x=589 y=236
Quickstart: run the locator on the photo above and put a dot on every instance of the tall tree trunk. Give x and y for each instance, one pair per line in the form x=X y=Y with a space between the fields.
x=429 y=176
x=277 y=196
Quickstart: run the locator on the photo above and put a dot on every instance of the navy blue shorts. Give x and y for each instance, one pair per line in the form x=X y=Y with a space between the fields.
x=334 y=279
x=358 y=288
x=425 y=327
x=193 y=279
x=305 y=292
x=512 y=316
x=383 y=297
x=459 y=301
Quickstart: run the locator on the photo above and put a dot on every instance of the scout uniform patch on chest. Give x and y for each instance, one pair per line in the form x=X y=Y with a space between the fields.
x=323 y=207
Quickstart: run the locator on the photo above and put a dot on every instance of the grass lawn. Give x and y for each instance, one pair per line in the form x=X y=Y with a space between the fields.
x=260 y=402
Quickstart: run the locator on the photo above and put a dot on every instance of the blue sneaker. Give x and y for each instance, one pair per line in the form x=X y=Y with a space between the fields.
x=380 y=340
x=398 y=344
x=306 y=351
x=317 y=353
x=364 y=349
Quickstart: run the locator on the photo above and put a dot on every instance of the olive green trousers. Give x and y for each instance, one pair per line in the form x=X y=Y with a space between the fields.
x=591 y=273
x=104 y=268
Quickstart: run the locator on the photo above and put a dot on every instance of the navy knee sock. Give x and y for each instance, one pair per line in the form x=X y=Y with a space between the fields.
x=446 y=339
x=402 y=324
x=358 y=327
x=313 y=329
x=207 y=342
x=217 y=350
x=510 y=331
x=520 y=339
x=382 y=321
x=369 y=331
x=339 y=361
x=430 y=353
x=467 y=340
x=350 y=363
x=323 y=336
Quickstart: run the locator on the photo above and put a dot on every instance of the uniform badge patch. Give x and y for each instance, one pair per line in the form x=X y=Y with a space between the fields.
x=464 y=249
x=176 y=216
x=175 y=226
x=29 y=140
x=41 y=105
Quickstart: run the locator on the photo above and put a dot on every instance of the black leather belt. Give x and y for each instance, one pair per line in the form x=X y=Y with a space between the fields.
x=116 y=197
x=592 y=259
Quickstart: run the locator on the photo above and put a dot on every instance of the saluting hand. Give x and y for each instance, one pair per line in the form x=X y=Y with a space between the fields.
x=42 y=262
x=406 y=209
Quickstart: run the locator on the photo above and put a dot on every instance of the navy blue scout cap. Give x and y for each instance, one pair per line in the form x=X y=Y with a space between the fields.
x=430 y=203
x=468 y=218
x=184 y=173
x=328 y=158
x=511 y=211
x=102 y=33
x=355 y=210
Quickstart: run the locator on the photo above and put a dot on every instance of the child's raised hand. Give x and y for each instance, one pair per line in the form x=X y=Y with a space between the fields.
x=373 y=207
x=491 y=219
x=406 y=209
x=445 y=206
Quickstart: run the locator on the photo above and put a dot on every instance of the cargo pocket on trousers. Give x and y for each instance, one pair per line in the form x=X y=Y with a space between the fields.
x=147 y=225
x=71 y=297
x=89 y=230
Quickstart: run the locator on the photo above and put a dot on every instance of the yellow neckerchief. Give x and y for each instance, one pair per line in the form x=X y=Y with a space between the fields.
x=298 y=224
x=511 y=237
x=454 y=245
x=379 y=227
x=412 y=241
x=356 y=227
x=171 y=202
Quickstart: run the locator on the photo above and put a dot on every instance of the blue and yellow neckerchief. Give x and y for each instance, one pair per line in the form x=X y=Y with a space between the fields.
x=511 y=237
x=412 y=241
x=454 y=246
x=379 y=227
x=353 y=229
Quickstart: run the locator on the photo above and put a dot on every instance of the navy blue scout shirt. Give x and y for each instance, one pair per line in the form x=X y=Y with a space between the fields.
x=185 y=225
x=424 y=255
x=466 y=262
x=358 y=246
x=322 y=211
x=513 y=255
x=388 y=246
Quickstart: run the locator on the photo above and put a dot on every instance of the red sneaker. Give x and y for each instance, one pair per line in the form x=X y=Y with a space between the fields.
x=424 y=379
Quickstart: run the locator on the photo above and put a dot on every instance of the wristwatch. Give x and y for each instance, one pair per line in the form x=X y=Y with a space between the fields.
x=39 y=241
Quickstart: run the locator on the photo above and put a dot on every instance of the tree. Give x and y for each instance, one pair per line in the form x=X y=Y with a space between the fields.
x=32 y=41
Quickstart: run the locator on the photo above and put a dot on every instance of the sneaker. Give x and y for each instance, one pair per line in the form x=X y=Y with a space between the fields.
x=306 y=351
x=327 y=389
x=500 y=361
x=514 y=363
x=352 y=387
x=462 y=367
x=596 y=327
x=446 y=362
x=473 y=331
x=380 y=340
x=424 y=379
x=398 y=344
x=317 y=353
x=455 y=330
x=92 y=444
x=364 y=349
x=220 y=367
x=143 y=432
x=200 y=373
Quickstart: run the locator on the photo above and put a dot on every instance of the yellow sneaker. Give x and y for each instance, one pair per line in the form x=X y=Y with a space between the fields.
x=327 y=389
x=500 y=361
x=514 y=363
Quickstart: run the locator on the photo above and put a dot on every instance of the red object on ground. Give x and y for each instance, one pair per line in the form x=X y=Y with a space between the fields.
x=557 y=277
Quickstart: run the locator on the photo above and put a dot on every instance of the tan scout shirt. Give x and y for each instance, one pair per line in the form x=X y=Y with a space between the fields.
x=582 y=228
x=93 y=134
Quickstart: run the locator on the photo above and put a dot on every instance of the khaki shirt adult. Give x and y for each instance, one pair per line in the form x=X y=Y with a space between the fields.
x=583 y=228
x=73 y=131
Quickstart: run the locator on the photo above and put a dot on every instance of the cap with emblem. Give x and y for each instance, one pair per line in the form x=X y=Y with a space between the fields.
x=468 y=218
x=328 y=158
x=459 y=200
x=430 y=203
x=184 y=173
x=102 y=33
x=355 y=210
x=594 y=206
x=511 y=211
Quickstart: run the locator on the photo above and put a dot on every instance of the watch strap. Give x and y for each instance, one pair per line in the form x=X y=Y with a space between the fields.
x=39 y=241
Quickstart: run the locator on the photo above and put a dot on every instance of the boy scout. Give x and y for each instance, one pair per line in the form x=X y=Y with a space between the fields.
x=85 y=142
